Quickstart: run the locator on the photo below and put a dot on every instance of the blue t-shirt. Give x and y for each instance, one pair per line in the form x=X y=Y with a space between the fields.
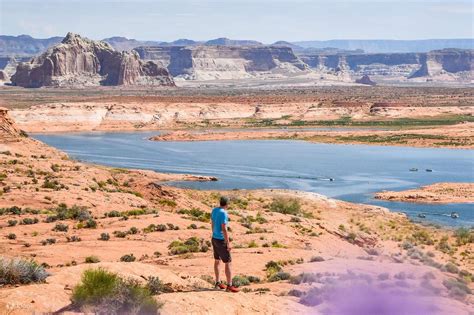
x=219 y=216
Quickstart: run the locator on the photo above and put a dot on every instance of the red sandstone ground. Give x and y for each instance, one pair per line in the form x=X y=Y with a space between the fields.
x=359 y=244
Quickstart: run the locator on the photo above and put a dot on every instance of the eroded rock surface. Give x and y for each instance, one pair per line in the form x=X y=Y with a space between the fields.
x=78 y=61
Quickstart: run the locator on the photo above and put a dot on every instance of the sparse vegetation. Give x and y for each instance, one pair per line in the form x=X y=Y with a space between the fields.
x=103 y=292
x=128 y=258
x=104 y=236
x=286 y=206
x=191 y=245
x=196 y=214
x=92 y=259
x=19 y=271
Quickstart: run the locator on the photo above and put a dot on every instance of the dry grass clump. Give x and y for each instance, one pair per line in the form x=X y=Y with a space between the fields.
x=103 y=292
x=20 y=271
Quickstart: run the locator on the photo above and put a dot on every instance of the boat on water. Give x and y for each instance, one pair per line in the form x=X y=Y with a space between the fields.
x=413 y=169
x=421 y=215
x=454 y=215
x=429 y=170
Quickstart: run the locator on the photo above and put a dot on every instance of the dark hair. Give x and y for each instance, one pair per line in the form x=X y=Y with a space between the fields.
x=223 y=201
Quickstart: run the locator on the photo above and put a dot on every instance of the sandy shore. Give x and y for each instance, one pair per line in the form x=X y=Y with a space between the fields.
x=436 y=193
x=357 y=246
x=457 y=136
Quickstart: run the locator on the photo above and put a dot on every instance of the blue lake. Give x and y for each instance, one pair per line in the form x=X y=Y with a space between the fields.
x=357 y=170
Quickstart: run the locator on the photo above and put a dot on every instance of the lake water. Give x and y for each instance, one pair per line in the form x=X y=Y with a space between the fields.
x=357 y=170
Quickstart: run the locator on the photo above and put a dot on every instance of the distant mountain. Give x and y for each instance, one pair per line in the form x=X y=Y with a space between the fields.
x=390 y=46
x=123 y=43
x=25 y=45
x=231 y=42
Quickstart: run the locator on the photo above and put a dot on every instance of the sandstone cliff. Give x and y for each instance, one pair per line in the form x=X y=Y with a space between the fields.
x=8 y=130
x=455 y=64
x=78 y=61
x=445 y=61
x=224 y=62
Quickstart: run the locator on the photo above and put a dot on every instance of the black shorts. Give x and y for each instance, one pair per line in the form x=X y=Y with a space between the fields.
x=220 y=250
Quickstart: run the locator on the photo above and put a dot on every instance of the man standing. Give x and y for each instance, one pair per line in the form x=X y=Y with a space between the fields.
x=221 y=244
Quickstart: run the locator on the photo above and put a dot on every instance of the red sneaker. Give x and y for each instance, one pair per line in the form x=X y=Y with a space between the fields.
x=220 y=285
x=232 y=289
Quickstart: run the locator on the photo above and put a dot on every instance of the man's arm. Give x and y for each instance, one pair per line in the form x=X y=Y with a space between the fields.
x=226 y=235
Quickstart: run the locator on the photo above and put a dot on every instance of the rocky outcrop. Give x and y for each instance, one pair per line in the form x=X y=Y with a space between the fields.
x=3 y=76
x=445 y=61
x=78 y=61
x=366 y=81
x=223 y=62
x=8 y=130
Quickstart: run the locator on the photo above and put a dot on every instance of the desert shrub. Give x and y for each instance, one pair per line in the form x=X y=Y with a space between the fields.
x=156 y=286
x=90 y=224
x=275 y=244
x=295 y=219
x=128 y=258
x=456 y=288
x=304 y=278
x=12 y=222
x=74 y=213
x=295 y=292
x=48 y=241
x=29 y=221
x=120 y=234
x=103 y=292
x=133 y=230
x=285 y=206
x=167 y=202
x=161 y=228
x=316 y=259
x=423 y=237
x=252 y=244
x=191 y=245
x=383 y=276
x=60 y=227
x=240 y=280
x=92 y=259
x=464 y=236
x=113 y=214
x=272 y=267
x=351 y=237
x=20 y=271
x=104 y=237
x=157 y=254
x=192 y=226
x=279 y=276
x=196 y=214
x=171 y=226
x=11 y=236
x=452 y=268
x=73 y=238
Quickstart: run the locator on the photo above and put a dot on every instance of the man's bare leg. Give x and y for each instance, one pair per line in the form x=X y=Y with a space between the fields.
x=216 y=269
x=228 y=273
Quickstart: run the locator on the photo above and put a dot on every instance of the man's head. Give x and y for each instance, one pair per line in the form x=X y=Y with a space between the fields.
x=224 y=202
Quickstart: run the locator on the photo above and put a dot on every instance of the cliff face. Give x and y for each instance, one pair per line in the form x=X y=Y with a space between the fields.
x=223 y=62
x=78 y=61
x=8 y=130
x=407 y=65
x=446 y=60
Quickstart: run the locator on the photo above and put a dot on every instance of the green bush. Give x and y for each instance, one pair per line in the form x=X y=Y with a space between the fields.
x=20 y=271
x=92 y=260
x=12 y=222
x=29 y=221
x=286 y=205
x=191 y=245
x=456 y=288
x=60 y=227
x=451 y=268
x=196 y=214
x=104 y=236
x=128 y=258
x=464 y=236
x=103 y=292
x=11 y=236
x=279 y=276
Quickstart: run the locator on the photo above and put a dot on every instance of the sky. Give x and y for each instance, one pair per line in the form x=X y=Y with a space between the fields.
x=262 y=20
